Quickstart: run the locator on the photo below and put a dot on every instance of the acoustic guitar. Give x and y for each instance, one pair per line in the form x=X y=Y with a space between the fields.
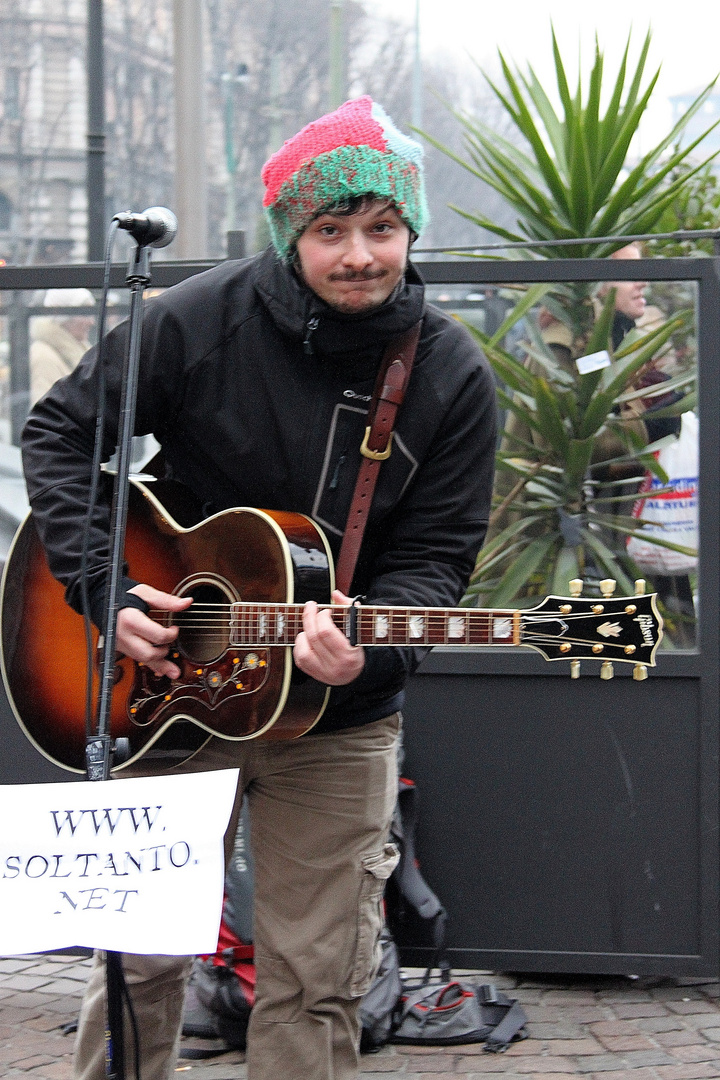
x=249 y=572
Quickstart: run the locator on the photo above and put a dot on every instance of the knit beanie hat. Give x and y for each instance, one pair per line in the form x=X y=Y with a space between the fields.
x=356 y=150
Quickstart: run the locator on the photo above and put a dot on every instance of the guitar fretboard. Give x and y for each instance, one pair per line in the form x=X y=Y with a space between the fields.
x=261 y=625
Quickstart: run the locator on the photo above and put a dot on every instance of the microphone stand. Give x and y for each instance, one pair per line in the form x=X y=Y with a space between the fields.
x=100 y=748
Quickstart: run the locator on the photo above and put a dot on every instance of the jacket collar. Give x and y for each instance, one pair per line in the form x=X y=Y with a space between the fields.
x=300 y=314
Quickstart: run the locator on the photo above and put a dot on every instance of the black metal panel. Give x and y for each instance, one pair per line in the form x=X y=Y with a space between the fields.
x=90 y=275
x=573 y=825
x=20 y=761
x=563 y=823
x=498 y=272
x=568 y=825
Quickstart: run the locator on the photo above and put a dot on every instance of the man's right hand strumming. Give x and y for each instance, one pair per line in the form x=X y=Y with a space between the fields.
x=142 y=639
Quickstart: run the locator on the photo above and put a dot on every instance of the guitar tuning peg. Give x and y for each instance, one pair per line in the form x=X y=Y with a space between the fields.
x=607 y=586
x=607 y=671
x=574 y=669
x=640 y=673
x=576 y=586
x=640 y=587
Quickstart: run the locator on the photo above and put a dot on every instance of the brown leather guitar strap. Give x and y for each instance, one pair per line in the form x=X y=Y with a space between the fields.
x=389 y=391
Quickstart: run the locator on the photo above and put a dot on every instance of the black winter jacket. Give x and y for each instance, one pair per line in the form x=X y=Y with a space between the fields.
x=258 y=393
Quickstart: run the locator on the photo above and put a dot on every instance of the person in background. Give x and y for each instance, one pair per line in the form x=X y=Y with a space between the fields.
x=631 y=312
x=59 y=342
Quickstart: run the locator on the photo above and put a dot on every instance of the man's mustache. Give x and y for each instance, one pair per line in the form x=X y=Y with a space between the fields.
x=357 y=275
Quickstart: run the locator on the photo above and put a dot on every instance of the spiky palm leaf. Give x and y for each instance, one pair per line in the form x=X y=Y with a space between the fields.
x=568 y=177
x=562 y=519
x=573 y=180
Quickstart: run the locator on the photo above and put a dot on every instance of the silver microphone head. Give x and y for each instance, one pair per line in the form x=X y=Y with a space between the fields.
x=156 y=227
x=163 y=222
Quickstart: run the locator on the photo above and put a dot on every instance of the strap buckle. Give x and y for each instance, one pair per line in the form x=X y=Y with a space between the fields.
x=375 y=455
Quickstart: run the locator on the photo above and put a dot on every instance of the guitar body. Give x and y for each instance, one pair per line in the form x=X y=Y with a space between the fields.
x=236 y=693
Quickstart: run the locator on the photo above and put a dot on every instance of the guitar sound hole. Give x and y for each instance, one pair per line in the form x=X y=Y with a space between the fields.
x=205 y=626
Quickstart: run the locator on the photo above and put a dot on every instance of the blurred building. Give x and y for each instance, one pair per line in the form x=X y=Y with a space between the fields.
x=267 y=72
x=43 y=128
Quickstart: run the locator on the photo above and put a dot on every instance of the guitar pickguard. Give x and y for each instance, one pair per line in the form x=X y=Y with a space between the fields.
x=210 y=686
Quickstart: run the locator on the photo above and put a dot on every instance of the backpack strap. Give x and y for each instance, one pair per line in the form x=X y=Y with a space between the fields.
x=509 y=1027
x=413 y=886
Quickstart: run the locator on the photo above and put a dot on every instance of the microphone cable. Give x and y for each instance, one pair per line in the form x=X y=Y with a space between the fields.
x=96 y=469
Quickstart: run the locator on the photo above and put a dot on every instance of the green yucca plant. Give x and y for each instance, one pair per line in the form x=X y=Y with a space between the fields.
x=562 y=518
x=574 y=180
x=568 y=176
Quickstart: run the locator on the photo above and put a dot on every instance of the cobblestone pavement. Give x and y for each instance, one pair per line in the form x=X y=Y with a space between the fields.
x=598 y=1028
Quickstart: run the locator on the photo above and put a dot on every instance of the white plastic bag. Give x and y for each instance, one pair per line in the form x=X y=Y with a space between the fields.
x=673 y=515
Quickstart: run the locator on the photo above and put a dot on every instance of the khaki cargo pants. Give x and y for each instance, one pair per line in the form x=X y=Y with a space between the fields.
x=320 y=812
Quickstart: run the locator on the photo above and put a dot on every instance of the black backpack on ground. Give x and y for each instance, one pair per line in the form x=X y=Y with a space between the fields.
x=452 y=1013
x=442 y=1012
x=448 y=1012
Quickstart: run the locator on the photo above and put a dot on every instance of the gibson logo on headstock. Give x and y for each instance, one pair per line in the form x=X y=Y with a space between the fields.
x=646 y=629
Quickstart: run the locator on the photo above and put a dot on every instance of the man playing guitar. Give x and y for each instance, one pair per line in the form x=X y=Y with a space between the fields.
x=254 y=378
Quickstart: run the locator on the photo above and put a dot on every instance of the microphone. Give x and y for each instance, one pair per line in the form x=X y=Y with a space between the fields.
x=156 y=227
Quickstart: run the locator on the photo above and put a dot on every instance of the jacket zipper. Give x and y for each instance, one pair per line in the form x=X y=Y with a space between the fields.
x=336 y=475
x=310 y=328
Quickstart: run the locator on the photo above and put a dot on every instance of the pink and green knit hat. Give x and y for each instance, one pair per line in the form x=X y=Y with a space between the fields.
x=356 y=150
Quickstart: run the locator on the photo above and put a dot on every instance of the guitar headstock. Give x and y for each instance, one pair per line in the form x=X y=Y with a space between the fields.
x=625 y=629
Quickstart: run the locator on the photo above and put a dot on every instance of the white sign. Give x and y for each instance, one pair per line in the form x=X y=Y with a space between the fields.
x=593 y=362
x=132 y=865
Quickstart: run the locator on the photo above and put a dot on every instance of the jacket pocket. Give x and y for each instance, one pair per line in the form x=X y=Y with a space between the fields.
x=341 y=463
x=376 y=869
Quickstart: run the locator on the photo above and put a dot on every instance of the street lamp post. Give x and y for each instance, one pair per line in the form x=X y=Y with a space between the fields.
x=228 y=83
x=337 y=81
x=95 y=179
x=417 y=87
x=189 y=87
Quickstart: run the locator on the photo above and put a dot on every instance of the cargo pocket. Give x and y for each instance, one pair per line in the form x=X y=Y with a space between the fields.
x=376 y=870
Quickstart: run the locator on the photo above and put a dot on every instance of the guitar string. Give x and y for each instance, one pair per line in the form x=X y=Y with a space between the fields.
x=433 y=616
x=218 y=625
x=436 y=622
x=434 y=636
x=369 y=613
x=290 y=633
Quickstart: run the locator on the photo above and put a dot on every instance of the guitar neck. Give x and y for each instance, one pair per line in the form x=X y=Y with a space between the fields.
x=618 y=628
x=261 y=625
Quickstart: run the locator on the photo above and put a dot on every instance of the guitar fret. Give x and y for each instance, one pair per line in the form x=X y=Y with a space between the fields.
x=501 y=630
x=286 y=628
x=279 y=624
x=265 y=625
x=397 y=622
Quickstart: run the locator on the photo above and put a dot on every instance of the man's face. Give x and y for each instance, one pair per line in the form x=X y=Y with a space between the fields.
x=629 y=295
x=353 y=262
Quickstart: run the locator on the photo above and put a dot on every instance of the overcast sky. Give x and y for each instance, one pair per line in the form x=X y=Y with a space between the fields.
x=685 y=35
